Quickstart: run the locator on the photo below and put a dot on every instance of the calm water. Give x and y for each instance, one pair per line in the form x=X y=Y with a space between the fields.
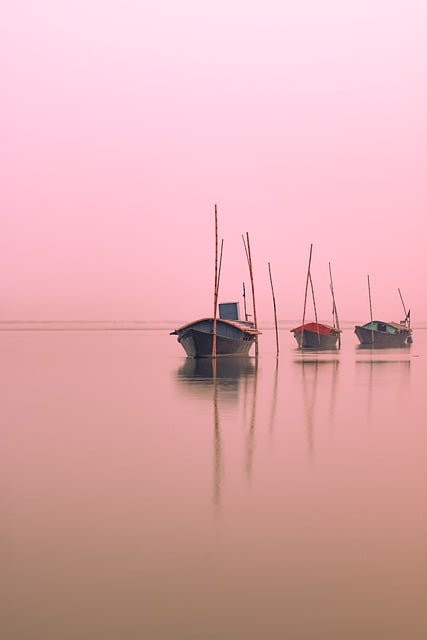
x=145 y=499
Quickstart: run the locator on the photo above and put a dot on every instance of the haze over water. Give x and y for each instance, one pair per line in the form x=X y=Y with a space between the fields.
x=146 y=498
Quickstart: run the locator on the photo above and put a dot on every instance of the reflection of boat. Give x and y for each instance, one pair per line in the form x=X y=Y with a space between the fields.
x=231 y=368
x=222 y=380
x=316 y=335
x=315 y=371
x=378 y=333
x=233 y=335
x=379 y=373
x=202 y=374
x=384 y=334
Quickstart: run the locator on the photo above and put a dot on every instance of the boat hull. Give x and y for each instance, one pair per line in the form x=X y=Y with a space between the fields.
x=374 y=338
x=198 y=344
x=314 y=336
x=231 y=339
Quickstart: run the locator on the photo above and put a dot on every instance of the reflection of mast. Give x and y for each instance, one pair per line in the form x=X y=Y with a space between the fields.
x=310 y=401
x=310 y=394
x=250 y=439
x=379 y=367
x=371 y=371
x=335 y=364
x=217 y=448
x=219 y=380
x=274 y=400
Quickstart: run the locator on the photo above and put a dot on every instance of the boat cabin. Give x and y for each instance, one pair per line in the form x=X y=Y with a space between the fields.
x=384 y=327
x=229 y=311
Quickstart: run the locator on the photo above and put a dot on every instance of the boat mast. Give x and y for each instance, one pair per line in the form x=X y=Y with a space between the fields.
x=275 y=313
x=334 y=307
x=407 y=320
x=244 y=302
x=370 y=310
x=219 y=267
x=305 y=296
x=248 y=256
x=215 y=286
x=315 y=310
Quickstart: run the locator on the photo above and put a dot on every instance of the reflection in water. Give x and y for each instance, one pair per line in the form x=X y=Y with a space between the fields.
x=217 y=448
x=378 y=348
x=311 y=370
x=227 y=373
x=250 y=440
x=274 y=399
x=222 y=379
x=383 y=368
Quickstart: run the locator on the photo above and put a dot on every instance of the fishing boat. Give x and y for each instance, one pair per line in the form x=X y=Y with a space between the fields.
x=316 y=335
x=378 y=333
x=233 y=335
x=384 y=334
x=225 y=333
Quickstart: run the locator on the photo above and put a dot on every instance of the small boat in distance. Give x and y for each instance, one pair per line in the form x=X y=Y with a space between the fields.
x=378 y=333
x=233 y=335
x=316 y=335
x=385 y=334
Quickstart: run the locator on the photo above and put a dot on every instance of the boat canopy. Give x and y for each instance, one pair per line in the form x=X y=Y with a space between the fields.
x=385 y=327
x=316 y=327
x=243 y=326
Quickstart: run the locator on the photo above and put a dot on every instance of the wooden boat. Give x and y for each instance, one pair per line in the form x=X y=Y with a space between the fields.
x=224 y=334
x=233 y=335
x=384 y=334
x=378 y=333
x=316 y=335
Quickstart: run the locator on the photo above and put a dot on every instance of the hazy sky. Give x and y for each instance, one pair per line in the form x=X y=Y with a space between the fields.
x=124 y=122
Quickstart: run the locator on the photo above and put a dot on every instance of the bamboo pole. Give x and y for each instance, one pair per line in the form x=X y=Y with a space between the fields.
x=218 y=278
x=219 y=268
x=244 y=303
x=215 y=286
x=305 y=296
x=334 y=307
x=275 y=313
x=403 y=304
x=315 y=310
x=248 y=255
x=370 y=311
x=407 y=320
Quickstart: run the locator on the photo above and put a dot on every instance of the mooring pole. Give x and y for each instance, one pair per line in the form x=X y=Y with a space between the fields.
x=215 y=286
x=275 y=313
x=305 y=297
x=370 y=311
x=248 y=255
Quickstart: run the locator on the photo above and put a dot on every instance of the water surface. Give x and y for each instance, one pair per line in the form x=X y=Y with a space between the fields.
x=147 y=496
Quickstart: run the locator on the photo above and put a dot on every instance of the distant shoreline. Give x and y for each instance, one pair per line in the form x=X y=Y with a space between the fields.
x=144 y=325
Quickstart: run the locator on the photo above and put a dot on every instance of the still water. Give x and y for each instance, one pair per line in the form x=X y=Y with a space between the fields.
x=145 y=498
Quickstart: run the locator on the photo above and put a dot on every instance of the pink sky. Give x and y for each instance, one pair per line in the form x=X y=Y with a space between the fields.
x=123 y=122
